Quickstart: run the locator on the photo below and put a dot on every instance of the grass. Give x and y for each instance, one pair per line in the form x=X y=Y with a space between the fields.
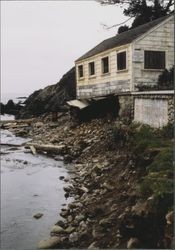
x=158 y=181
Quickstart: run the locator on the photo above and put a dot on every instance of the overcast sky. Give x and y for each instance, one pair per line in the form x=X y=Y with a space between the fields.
x=40 y=40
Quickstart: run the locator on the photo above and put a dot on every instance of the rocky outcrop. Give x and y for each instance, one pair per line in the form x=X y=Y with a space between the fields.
x=10 y=108
x=50 y=99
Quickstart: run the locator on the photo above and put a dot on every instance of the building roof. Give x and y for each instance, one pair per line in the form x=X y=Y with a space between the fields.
x=122 y=38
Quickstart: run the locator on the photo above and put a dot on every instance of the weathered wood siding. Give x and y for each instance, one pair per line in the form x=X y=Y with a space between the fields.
x=161 y=38
x=103 y=84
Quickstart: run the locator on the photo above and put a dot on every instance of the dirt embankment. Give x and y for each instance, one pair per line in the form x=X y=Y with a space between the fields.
x=121 y=183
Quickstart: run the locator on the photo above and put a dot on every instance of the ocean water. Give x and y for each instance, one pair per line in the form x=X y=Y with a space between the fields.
x=30 y=184
x=16 y=97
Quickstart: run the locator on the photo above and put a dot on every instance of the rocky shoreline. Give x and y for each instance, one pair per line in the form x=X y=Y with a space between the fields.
x=107 y=210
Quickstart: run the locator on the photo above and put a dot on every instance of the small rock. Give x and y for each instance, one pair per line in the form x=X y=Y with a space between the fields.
x=67 y=195
x=66 y=180
x=61 y=177
x=66 y=129
x=67 y=159
x=70 y=230
x=133 y=243
x=140 y=208
x=60 y=223
x=68 y=189
x=84 y=189
x=49 y=243
x=57 y=229
x=73 y=237
x=93 y=245
x=80 y=217
x=95 y=160
x=105 y=222
x=69 y=218
x=170 y=217
x=79 y=204
x=96 y=234
x=58 y=158
x=108 y=186
x=83 y=227
x=38 y=215
x=39 y=124
x=72 y=205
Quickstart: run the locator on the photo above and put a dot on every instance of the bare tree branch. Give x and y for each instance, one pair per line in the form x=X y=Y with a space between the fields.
x=115 y=25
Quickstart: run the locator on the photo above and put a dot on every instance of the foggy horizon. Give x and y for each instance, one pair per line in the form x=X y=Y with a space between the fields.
x=41 y=40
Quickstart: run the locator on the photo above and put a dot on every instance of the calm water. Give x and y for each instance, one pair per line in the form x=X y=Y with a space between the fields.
x=29 y=184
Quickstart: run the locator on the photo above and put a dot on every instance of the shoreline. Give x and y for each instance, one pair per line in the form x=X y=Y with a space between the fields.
x=104 y=184
x=30 y=185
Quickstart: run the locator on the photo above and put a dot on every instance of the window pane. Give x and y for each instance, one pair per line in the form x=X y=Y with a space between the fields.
x=121 y=60
x=154 y=59
x=92 y=68
x=105 y=65
x=80 y=70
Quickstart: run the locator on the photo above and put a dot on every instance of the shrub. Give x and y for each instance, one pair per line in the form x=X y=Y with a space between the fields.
x=167 y=131
x=163 y=161
x=166 y=79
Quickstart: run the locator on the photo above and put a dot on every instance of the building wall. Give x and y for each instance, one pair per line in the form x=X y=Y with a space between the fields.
x=103 y=84
x=156 y=110
x=161 y=38
x=126 y=108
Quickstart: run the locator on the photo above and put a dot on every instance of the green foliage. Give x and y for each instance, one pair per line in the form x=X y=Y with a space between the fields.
x=123 y=29
x=166 y=79
x=119 y=134
x=158 y=181
x=167 y=131
x=156 y=186
x=152 y=151
x=143 y=87
x=165 y=82
x=143 y=11
x=145 y=137
x=163 y=161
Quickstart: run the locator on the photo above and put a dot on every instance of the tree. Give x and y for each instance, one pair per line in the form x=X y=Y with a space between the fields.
x=123 y=29
x=143 y=10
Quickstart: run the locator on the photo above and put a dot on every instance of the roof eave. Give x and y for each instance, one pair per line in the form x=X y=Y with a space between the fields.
x=83 y=59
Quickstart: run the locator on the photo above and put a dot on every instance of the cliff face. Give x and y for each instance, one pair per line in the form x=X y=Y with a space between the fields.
x=51 y=98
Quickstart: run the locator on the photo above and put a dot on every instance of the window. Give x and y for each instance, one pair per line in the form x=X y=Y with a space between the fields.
x=154 y=59
x=121 y=60
x=91 y=68
x=80 y=71
x=105 y=65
